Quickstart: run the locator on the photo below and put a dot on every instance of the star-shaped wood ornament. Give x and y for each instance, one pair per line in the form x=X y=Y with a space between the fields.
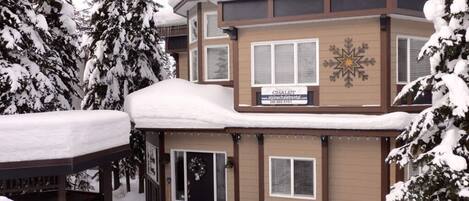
x=349 y=62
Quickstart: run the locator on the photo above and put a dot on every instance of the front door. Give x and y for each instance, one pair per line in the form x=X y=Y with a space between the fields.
x=200 y=176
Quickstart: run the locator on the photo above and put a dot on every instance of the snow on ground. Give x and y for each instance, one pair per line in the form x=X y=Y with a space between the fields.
x=4 y=199
x=66 y=134
x=121 y=194
x=178 y=103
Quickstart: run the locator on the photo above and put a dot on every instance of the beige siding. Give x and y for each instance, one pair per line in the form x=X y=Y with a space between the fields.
x=328 y=33
x=308 y=147
x=407 y=28
x=200 y=142
x=183 y=66
x=354 y=169
x=248 y=168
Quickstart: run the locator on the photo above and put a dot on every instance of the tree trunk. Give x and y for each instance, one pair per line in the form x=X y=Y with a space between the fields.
x=127 y=180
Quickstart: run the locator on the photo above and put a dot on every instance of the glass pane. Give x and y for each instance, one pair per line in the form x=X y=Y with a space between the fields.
x=281 y=173
x=284 y=64
x=179 y=174
x=304 y=178
x=402 y=60
x=418 y=68
x=212 y=26
x=307 y=63
x=193 y=29
x=262 y=65
x=217 y=63
x=220 y=165
x=194 y=65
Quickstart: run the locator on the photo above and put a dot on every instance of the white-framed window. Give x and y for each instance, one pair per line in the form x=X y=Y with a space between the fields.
x=292 y=177
x=217 y=63
x=211 y=30
x=194 y=65
x=413 y=169
x=193 y=29
x=285 y=63
x=407 y=65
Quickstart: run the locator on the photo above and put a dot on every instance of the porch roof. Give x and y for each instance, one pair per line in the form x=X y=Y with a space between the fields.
x=179 y=104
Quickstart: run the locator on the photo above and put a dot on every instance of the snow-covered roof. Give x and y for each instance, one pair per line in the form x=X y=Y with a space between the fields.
x=180 y=104
x=58 y=135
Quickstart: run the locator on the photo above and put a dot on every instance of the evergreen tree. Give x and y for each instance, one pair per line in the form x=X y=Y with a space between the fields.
x=124 y=54
x=33 y=75
x=438 y=139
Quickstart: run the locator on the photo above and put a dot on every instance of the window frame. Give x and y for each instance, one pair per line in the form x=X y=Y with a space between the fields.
x=292 y=178
x=173 y=172
x=191 y=58
x=206 y=14
x=408 y=38
x=206 y=62
x=191 y=36
x=272 y=62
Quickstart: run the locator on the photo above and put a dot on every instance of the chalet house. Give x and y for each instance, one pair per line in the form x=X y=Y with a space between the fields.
x=301 y=61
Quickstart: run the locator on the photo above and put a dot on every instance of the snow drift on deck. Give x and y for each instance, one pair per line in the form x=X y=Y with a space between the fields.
x=66 y=134
x=178 y=103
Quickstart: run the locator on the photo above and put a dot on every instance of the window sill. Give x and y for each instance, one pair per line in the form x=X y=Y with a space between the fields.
x=293 y=197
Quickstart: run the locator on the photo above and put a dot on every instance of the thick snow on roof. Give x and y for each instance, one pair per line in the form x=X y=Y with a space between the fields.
x=178 y=103
x=55 y=135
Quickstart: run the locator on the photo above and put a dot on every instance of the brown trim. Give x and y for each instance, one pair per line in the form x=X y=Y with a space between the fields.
x=105 y=181
x=188 y=48
x=219 y=13
x=270 y=9
x=399 y=171
x=162 y=183
x=200 y=47
x=315 y=132
x=385 y=170
x=260 y=173
x=61 y=191
x=222 y=83
x=235 y=58
x=310 y=109
x=327 y=6
x=385 y=38
x=176 y=59
x=325 y=167
x=236 y=139
x=183 y=130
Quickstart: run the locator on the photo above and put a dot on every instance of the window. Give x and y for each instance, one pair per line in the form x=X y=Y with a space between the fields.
x=413 y=169
x=217 y=66
x=285 y=63
x=194 y=66
x=211 y=26
x=292 y=177
x=408 y=67
x=193 y=30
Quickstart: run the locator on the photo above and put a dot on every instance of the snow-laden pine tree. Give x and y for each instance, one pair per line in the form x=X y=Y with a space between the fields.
x=124 y=54
x=438 y=139
x=33 y=75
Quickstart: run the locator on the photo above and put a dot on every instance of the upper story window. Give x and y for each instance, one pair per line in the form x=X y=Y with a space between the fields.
x=408 y=67
x=193 y=29
x=194 y=65
x=412 y=170
x=285 y=63
x=292 y=177
x=217 y=66
x=211 y=26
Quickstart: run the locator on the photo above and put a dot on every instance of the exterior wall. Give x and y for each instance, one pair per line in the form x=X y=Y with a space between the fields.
x=220 y=142
x=407 y=28
x=248 y=168
x=329 y=33
x=354 y=169
x=309 y=147
x=183 y=65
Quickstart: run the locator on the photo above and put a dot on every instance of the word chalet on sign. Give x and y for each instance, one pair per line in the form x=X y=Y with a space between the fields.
x=284 y=96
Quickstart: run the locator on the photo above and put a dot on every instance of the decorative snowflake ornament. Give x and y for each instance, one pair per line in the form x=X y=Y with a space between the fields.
x=349 y=62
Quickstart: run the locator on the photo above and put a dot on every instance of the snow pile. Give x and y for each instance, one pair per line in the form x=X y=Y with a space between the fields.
x=55 y=135
x=2 y=198
x=178 y=103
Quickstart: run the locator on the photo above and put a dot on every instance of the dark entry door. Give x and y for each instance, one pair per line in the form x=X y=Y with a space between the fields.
x=200 y=176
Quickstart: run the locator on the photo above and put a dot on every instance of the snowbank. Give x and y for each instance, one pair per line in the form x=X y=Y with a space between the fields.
x=178 y=103
x=66 y=134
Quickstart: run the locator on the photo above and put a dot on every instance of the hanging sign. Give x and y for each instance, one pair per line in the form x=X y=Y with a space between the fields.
x=284 y=96
x=152 y=161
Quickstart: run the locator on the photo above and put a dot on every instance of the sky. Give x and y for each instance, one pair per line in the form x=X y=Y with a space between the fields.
x=165 y=14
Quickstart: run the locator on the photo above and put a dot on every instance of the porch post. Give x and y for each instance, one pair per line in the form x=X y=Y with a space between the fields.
x=385 y=170
x=236 y=138
x=62 y=194
x=325 y=167
x=162 y=178
x=105 y=181
x=260 y=143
